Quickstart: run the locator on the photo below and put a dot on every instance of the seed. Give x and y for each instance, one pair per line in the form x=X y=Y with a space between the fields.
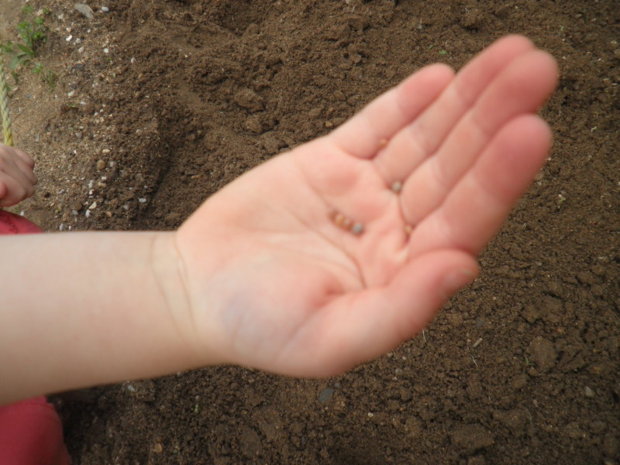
x=339 y=219
x=383 y=143
x=357 y=229
x=396 y=186
x=408 y=229
x=345 y=223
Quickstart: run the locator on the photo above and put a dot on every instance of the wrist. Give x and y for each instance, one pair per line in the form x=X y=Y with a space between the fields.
x=170 y=274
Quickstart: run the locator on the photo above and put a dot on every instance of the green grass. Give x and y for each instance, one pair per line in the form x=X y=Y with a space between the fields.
x=22 y=53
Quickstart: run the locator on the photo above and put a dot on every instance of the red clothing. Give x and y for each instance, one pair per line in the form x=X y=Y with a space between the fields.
x=31 y=434
x=13 y=224
x=30 y=430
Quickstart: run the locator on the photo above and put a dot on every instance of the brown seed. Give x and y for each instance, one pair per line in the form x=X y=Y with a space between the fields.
x=383 y=143
x=346 y=223
x=339 y=219
x=408 y=229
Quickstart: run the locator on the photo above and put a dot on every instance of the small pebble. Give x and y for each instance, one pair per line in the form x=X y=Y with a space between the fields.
x=84 y=9
x=543 y=353
x=519 y=381
x=325 y=395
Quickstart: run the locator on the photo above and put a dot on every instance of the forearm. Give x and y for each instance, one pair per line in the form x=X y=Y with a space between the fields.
x=81 y=309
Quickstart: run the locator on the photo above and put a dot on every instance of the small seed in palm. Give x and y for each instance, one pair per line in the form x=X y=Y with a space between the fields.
x=340 y=220
x=357 y=229
x=346 y=223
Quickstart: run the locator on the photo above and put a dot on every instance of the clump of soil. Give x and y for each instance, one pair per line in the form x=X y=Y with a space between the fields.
x=160 y=103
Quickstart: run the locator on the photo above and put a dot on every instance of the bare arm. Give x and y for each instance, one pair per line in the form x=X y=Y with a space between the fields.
x=80 y=309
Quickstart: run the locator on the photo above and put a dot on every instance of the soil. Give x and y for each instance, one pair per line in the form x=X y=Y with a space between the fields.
x=159 y=103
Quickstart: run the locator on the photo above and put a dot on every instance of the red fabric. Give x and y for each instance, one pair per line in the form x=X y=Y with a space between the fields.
x=31 y=434
x=30 y=430
x=13 y=224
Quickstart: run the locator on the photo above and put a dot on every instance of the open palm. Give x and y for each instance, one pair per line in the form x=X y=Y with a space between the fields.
x=339 y=250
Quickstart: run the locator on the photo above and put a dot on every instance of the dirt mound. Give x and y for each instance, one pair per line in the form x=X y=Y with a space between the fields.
x=160 y=103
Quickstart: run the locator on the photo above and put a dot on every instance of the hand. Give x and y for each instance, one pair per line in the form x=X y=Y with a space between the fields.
x=17 y=180
x=276 y=276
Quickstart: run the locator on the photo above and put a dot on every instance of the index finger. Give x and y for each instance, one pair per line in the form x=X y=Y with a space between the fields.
x=423 y=136
x=366 y=132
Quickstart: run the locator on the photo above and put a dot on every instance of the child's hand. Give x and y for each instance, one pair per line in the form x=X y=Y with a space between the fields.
x=340 y=250
x=17 y=180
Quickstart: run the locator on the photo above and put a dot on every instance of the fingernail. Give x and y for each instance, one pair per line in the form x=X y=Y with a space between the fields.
x=456 y=280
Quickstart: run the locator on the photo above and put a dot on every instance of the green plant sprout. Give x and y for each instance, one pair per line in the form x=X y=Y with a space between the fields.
x=32 y=33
